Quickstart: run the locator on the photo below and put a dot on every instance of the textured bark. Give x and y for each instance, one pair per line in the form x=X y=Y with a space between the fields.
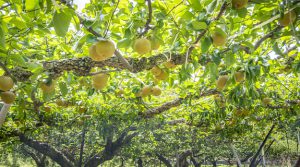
x=177 y=102
x=82 y=66
x=140 y=162
x=297 y=163
x=182 y=159
x=3 y=112
x=195 y=163
x=47 y=150
x=164 y=160
x=253 y=161
x=112 y=148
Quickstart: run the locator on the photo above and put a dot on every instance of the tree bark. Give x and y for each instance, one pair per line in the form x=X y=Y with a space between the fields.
x=297 y=163
x=140 y=162
x=164 y=160
x=195 y=163
x=253 y=161
x=3 y=112
x=47 y=150
x=111 y=148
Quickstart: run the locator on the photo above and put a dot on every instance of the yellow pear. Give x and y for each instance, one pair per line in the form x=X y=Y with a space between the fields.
x=162 y=76
x=170 y=64
x=239 y=4
x=219 y=39
x=239 y=76
x=82 y=110
x=221 y=82
x=8 y=97
x=155 y=44
x=60 y=102
x=266 y=100
x=94 y=55
x=142 y=46
x=48 y=88
x=47 y=109
x=156 y=71
x=146 y=90
x=156 y=91
x=100 y=81
x=288 y=18
x=105 y=49
x=6 y=83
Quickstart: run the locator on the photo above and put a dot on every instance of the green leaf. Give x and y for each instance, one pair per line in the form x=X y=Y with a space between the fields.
x=195 y=4
x=31 y=4
x=18 y=59
x=242 y=12
x=229 y=59
x=205 y=44
x=61 y=22
x=199 y=25
x=210 y=8
x=213 y=71
x=63 y=88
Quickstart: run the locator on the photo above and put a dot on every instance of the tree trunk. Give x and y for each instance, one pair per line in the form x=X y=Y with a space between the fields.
x=140 y=162
x=164 y=160
x=195 y=163
x=297 y=163
x=214 y=163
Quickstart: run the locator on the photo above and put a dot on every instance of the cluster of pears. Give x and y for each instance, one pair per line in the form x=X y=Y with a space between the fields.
x=6 y=83
x=159 y=74
x=222 y=80
x=102 y=50
x=143 y=45
x=149 y=90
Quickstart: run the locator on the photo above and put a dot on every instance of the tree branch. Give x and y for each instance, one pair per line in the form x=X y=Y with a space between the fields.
x=47 y=150
x=3 y=112
x=253 y=161
x=267 y=36
x=164 y=160
x=221 y=12
x=177 y=102
x=147 y=25
x=112 y=148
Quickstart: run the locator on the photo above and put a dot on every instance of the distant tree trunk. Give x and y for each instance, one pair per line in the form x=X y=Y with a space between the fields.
x=195 y=163
x=140 y=162
x=214 y=163
x=297 y=163
x=164 y=160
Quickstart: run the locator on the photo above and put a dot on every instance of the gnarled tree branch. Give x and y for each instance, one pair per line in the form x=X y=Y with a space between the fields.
x=47 y=150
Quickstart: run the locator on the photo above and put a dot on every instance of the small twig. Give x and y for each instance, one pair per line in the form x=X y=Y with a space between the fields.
x=147 y=25
x=111 y=18
x=123 y=60
x=175 y=7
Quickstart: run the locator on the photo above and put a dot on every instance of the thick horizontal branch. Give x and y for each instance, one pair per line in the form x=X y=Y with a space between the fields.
x=175 y=103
